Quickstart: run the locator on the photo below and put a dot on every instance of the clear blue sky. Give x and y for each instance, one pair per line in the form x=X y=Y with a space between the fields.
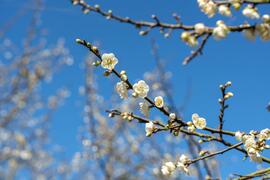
x=243 y=62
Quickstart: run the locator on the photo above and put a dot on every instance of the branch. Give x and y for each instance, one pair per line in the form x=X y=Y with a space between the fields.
x=256 y=2
x=181 y=123
x=223 y=105
x=198 y=51
x=172 y=128
x=258 y=173
x=94 y=50
x=139 y=24
x=215 y=153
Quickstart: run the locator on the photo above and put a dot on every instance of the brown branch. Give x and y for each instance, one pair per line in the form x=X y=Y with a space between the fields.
x=163 y=127
x=255 y=2
x=198 y=51
x=215 y=153
x=222 y=108
x=157 y=24
x=95 y=51
x=255 y=174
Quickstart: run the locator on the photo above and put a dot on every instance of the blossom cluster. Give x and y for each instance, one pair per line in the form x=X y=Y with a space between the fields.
x=261 y=29
x=182 y=164
x=196 y=123
x=221 y=31
x=210 y=8
x=140 y=89
x=254 y=143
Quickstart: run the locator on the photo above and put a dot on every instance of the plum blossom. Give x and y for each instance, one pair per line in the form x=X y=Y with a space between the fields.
x=224 y=10
x=228 y=95
x=108 y=61
x=172 y=116
x=144 y=108
x=159 y=101
x=263 y=30
x=208 y=7
x=199 y=28
x=141 y=88
x=238 y=135
x=264 y=134
x=168 y=168
x=189 y=39
x=182 y=163
x=254 y=155
x=199 y=122
x=149 y=128
x=252 y=148
x=221 y=31
x=251 y=12
x=121 y=89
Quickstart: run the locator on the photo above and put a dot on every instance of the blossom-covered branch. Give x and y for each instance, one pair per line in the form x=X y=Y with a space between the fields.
x=253 y=142
x=192 y=33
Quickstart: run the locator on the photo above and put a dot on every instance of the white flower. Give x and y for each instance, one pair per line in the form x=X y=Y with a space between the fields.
x=251 y=12
x=182 y=163
x=127 y=116
x=264 y=134
x=228 y=83
x=189 y=39
x=221 y=31
x=25 y=154
x=172 y=116
x=123 y=75
x=121 y=88
x=238 y=135
x=108 y=61
x=183 y=158
x=149 y=128
x=236 y=4
x=168 y=168
x=199 y=28
x=266 y=18
x=199 y=122
x=263 y=30
x=254 y=155
x=165 y=171
x=183 y=168
x=228 y=95
x=224 y=10
x=144 y=108
x=249 y=141
x=208 y=7
x=191 y=128
x=159 y=101
x=141 y=88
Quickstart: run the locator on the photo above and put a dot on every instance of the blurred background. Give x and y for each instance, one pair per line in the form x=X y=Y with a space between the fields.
x=52 y=101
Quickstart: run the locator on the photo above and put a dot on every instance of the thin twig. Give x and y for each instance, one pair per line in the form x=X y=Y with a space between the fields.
x=198 y=51
x=258 y=173
x=216 y=153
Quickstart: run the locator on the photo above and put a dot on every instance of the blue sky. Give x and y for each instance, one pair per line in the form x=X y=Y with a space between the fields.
x=245 y=63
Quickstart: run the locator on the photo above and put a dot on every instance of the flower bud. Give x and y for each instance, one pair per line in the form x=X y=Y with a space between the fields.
x=228 y=95
x=199 y=28
x=172 y=116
